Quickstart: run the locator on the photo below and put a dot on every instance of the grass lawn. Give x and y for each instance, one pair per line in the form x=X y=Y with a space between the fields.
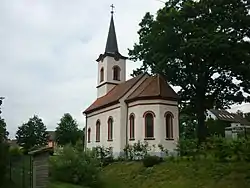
x=63 y=185
x=182 y=174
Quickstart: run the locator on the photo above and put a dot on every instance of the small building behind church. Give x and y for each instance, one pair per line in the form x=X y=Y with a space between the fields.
x=143 y=108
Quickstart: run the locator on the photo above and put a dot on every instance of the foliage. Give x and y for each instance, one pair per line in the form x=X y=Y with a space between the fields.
x=188 y=126
x=187 y=147
x=216 y=148
x=199 y=46
x=105 y=155
x=181 y=174
x=75 y=166
x=32 y=134
x=216 y=127
x=67 y=131
x=3 y=147
x=137 y=151
x=150 y=161
x=15 y=151
x=3 y=131
x=3 y=161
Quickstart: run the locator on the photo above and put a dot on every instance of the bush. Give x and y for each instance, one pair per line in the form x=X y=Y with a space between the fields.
x=77 y=167
x=15 y=151
x=150 y=161
x=105 y=155
x=3 y=161
x=137 y=151
x=217 y=148
x=187 y=147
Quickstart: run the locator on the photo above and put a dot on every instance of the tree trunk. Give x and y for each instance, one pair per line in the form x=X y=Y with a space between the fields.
x=201 y=129
x=200 y=107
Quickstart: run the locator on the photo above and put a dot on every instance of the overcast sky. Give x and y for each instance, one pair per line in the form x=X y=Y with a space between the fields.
x=48 y=50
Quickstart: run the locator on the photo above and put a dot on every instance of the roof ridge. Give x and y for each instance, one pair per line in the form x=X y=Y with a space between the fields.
x=146 y=85
x=139 y=78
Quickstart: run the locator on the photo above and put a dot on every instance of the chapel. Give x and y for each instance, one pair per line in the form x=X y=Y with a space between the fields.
x=143 y=108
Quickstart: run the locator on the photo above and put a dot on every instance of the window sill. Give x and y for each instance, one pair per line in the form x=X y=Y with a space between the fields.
x=110 y=140
x=97 y=141
x=131 y=139
x=169 y=139
x=149 y=138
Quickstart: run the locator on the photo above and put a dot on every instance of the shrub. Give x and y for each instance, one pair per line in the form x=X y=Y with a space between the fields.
x=77 y=167
x=105 y=155
x=150 y=161
x=3 y=161
x=217 y=148
x=187 y=147
x=15 y=151
x=137 y=151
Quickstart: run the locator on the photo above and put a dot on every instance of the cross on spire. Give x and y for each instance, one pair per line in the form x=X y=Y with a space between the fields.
x=112 y=8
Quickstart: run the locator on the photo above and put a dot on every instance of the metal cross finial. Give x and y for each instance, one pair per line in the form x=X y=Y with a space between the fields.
x=112 y=8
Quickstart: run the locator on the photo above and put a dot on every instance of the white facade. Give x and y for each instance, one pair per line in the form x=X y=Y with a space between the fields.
x=120 y=114
x=108 y=83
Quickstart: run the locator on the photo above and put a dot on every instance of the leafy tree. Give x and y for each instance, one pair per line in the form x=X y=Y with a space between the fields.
x=217 y=127
x=32 y=134
x=67 y=131
x=188 y=125
x=201 y=47
x=247 y=116
x=3 y=131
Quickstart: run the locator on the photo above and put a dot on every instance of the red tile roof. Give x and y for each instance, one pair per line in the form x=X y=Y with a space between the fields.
x=113 y=96
x=154 y=87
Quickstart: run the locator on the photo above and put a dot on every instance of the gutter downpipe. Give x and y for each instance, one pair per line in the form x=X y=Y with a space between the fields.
x=126 y=121
x=86 y=132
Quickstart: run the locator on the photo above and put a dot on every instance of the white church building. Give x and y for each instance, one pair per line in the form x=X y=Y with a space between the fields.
x=144 y=108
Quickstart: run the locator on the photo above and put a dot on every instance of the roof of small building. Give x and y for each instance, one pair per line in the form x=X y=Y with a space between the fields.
x=230 y=117
x=51 y=135
x=153 y=87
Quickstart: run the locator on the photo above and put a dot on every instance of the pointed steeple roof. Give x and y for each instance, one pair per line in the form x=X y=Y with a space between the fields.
x=111 y=45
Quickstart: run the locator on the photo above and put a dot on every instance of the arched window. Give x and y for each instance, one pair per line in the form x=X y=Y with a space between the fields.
x=149 y=125
x=169 y=125
x=101 y=74
x=89 y=132
x=110 y=129
x=132 y=127
x=116 y=73
x=98 y=126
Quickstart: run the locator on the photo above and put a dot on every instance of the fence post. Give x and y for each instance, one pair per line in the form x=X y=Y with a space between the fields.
x=23 y=176
x=10 y=169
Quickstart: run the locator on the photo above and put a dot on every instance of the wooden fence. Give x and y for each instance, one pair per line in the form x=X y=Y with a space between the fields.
x=30 y=171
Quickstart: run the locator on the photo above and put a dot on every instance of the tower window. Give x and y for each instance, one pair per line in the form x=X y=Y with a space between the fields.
x=101 y=74
x=116 y=73
x=169 y=125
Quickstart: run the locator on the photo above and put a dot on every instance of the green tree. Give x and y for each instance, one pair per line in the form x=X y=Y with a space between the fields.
x=188 y=126
x=247 y=116
x=3 y=131
x=67 y=131
x=201 y=47
x=32 y=134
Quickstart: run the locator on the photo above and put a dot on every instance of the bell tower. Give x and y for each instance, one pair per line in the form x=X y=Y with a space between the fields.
x=111 y=64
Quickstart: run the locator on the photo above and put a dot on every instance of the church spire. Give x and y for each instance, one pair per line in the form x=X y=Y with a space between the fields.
x=111 y=45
